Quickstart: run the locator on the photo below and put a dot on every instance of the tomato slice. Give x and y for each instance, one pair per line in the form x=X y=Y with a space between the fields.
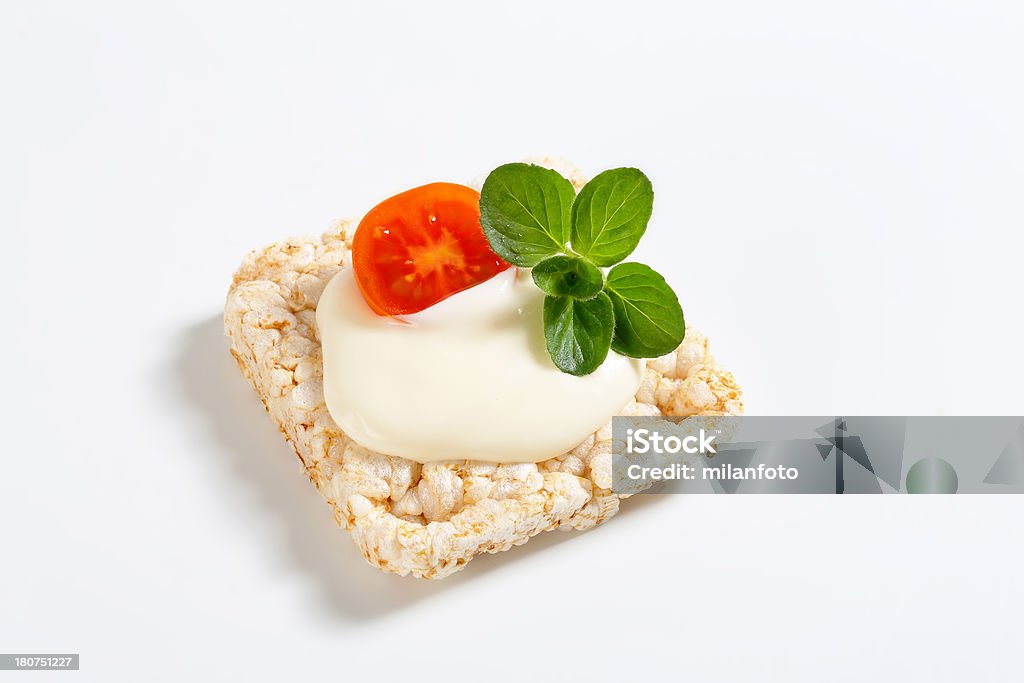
x=422 y=246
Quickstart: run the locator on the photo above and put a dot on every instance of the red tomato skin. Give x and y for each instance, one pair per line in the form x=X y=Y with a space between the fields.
x=421 y=246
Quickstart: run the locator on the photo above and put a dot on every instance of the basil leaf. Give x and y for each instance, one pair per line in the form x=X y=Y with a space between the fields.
x=578 y=333
x=525 y=211
x=610 y=215
x=568 y=276
x=648 y=318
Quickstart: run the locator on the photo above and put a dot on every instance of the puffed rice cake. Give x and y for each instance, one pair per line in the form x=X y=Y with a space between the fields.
x=429 y=520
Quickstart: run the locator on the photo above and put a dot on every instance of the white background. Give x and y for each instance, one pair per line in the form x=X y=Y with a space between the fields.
x=838 y=203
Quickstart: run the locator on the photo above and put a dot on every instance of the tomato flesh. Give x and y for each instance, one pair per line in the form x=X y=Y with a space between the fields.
x=422 y=246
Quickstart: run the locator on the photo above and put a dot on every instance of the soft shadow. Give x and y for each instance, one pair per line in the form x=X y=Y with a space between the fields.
x=238 y=426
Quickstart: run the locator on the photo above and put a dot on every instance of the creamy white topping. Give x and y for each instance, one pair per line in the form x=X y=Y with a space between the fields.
x=467 y=378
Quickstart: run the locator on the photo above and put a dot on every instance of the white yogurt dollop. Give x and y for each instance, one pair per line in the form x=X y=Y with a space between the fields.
x=467 y=378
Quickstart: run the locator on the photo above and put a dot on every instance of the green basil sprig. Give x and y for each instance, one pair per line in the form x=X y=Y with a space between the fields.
x=533 y=218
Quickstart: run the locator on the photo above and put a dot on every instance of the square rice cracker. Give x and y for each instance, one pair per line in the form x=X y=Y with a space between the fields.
x=429 y=520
